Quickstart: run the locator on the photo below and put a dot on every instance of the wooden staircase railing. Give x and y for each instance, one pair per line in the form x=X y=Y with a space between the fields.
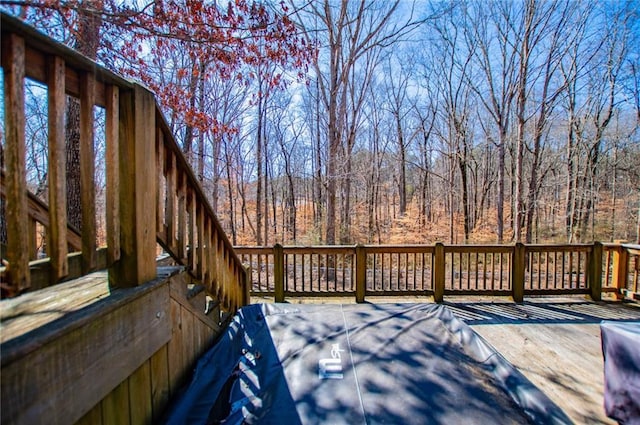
x=151 y=193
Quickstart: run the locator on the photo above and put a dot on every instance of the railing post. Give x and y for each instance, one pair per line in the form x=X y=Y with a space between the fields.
x=17 y=219
x=438 y=273
x=278 y=272
x=137 y=127
x=517 y=272
x=595 y=271
x=361 y=273
x=620 y=269
x=247 y=286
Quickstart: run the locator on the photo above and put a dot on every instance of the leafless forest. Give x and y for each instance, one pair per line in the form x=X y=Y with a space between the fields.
x=479 y=121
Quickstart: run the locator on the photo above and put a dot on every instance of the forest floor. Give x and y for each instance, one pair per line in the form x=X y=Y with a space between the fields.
x=555 y=342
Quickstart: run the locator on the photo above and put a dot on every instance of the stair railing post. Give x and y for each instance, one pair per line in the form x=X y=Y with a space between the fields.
x=137 y=198
x=438 y=272
x=595 y=271
x=361 y=273
x=620 y=269
x=517 y=272
x=278 y=272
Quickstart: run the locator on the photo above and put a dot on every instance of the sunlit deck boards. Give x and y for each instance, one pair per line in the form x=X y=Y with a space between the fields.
x=556 y=344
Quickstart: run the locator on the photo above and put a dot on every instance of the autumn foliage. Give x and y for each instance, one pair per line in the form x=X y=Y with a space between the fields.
x=210 y=40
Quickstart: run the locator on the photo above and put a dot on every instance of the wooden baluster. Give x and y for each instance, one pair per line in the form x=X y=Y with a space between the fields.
x=361 y=273
x=191 y=205
x=213 y=271
x=113 y=178
x=518 y=264
x=620 y=270
x=170 y=212
x=57 y=231
x=202 y=267
x=17 y=218
x=161 y=189
x=439 y=272
x=33 y=239
x=182 y=216
x=594 y=269
x=87 y=172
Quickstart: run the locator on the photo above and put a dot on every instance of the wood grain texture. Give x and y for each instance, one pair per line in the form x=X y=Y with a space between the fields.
x=63 y=376
x=115 y=407
x=438 y=273
x=137 y=197
x=57 y=230
x=182 y=218
x=13 y=62
x=160 y=391
x=174 y=350
x=170 y=198
x=140 y=403
x=518 y=265
x=87 y=172
x=161 y=189
x=113 y=178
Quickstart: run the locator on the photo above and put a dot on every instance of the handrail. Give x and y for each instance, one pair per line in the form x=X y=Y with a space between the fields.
x=438 y=270
x=136 y=133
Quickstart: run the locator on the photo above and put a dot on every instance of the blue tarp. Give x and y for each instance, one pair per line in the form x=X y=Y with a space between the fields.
x=357 y=364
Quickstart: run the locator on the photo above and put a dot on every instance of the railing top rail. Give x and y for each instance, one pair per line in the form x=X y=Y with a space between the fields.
x=39 y=41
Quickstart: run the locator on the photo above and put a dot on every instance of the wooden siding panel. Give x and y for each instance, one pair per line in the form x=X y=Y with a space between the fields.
x=159 y=382
x=71 y=373
x=174 y=352
x=115 y=407
x=140 y=395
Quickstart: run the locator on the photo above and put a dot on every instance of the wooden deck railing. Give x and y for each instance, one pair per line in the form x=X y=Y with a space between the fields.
x=437 y=270
x=151 y=193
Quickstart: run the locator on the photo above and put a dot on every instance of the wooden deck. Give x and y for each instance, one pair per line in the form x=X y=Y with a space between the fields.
x=555 y=342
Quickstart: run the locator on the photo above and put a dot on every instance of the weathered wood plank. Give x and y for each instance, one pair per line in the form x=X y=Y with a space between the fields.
x=65 y=376
x=140 y=406
x=188 y=338
x=33 y=240
x=361 y=273
x=159 y=382
x=170 y=199
x=278 y=273
x=112 y=111
x=87 y=172
x=174 y=350
x=191 y=205
x=13 y=63
x=115 y=407
x=33 y=310
x=137 y=197
x=161 y=188
x=57 y=231
x=438 y=273
x=202 y=266
x=182 y=216
x=518 y=265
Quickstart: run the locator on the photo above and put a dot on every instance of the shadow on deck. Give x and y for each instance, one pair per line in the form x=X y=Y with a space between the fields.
x=543 y=312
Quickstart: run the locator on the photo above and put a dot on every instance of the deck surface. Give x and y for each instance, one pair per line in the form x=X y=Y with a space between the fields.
x=555 y=342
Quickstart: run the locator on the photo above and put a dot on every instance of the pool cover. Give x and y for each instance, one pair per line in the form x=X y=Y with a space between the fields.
x=357 y=364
